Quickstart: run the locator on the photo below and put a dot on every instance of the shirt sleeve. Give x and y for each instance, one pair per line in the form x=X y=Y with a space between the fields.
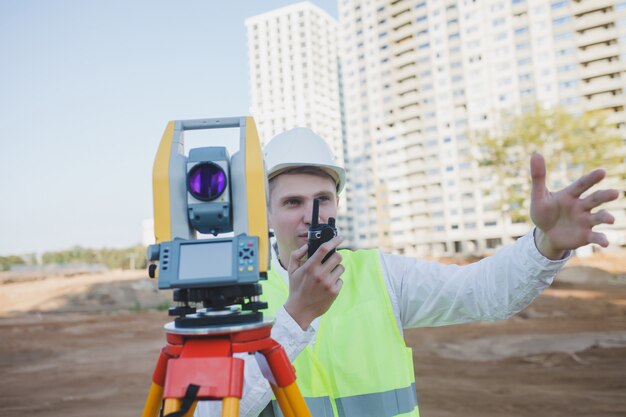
x=257 y=392
x=429 y=293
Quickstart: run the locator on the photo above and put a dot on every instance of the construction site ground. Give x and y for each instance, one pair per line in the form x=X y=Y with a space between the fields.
x=85 y=345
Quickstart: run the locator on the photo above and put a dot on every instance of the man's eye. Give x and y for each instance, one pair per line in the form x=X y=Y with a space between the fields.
x=292 y=202
x=324 y=198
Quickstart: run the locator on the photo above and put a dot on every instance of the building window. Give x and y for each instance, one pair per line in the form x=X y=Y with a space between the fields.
x=562 y=20
x=494 y=243
x=563 y=36
x=559 y=4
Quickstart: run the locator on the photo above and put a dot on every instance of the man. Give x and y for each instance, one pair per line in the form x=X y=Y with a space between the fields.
x=341 y=321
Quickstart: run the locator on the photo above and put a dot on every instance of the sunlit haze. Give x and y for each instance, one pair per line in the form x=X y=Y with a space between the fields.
x=86 y=91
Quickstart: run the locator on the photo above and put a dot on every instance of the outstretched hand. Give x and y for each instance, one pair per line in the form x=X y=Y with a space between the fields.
x=563 y=217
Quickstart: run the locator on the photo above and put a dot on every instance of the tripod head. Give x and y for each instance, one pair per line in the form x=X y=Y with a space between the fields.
x=215 y=279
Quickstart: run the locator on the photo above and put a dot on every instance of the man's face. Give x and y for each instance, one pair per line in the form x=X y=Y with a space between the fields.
x=291 y=205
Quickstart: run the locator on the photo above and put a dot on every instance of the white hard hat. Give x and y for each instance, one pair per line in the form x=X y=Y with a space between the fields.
x=300 y=147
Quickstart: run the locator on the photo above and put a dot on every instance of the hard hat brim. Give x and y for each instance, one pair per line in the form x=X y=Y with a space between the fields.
x=338 y=174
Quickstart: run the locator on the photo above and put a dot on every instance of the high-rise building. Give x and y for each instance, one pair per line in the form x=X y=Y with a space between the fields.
x=293 y=72
x=413 y=80
x=590 y=37
x=294 y=76
x=419 y=75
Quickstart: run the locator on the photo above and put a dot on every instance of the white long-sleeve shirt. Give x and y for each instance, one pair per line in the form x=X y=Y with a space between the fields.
x=422 y=294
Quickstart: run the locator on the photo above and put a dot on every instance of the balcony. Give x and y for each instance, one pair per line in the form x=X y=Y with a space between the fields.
x=411 y=125
x=401 y=9
x=598 y=52
x=405 y=73
x=414 y=166
x=596 y=36
x=603 y=101
x=593 y=19
x=400 y=61
x=410 y=112
x=406 y=81
x=403 y=32
x=600 y=85
x=598 y=68
x=416 y=183
x=615 y=118
x=587 y=6
x=414 y=152
x=407 y=99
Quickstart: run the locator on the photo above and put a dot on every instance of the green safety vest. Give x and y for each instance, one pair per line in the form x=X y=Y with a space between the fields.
x=360 y=365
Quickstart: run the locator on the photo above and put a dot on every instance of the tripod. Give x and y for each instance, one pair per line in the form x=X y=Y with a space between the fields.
x=197 y=364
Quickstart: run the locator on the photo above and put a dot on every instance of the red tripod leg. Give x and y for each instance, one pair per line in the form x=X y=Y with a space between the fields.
x=287 y=393
x=155 y=396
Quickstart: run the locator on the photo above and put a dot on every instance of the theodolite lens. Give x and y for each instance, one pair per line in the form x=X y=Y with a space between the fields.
x=206 y=181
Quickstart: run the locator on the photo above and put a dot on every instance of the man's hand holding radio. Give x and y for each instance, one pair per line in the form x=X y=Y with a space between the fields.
x=313 y=285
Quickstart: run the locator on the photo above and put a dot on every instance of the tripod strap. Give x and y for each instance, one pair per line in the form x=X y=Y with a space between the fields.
x=190 y=396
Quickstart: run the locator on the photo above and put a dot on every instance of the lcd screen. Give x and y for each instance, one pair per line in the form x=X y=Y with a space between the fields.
x=206 y=260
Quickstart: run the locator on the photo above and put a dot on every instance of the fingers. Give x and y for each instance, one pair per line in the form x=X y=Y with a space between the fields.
x=585 y=182
x=601 y=217
x=335 y=278
x=332 y=262
x=538 y=175
x=599 y=197
x=599 y=239
x=295 y=258
x=325 y=249
x=328 y=273
x=322 y=270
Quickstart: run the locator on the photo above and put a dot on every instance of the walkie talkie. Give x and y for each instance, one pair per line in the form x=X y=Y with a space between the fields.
x=320 y=233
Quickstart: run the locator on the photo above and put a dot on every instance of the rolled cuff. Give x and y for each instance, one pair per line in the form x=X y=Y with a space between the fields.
x=288 y=333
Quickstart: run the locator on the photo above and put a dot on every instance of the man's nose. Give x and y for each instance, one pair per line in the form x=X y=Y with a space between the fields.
x=308 y=211
x=308 y=214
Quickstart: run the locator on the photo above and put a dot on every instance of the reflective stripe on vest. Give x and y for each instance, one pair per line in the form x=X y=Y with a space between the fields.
x=319 y=407
x=380 y=404
x=359 y=365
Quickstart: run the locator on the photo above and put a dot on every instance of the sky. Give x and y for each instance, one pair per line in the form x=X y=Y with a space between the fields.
x=86 y=90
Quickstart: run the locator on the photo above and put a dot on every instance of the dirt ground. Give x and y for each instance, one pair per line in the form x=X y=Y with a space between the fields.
x=85 y=345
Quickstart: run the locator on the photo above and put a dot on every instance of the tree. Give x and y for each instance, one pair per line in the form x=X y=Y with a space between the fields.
x=571 y=145
x=111 y=258
x=7 y=261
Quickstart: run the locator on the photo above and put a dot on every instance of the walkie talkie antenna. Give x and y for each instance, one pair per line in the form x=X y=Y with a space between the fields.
x=316 y=212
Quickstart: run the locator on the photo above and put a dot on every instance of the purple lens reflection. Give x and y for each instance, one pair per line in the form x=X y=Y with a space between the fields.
x=206 y=181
